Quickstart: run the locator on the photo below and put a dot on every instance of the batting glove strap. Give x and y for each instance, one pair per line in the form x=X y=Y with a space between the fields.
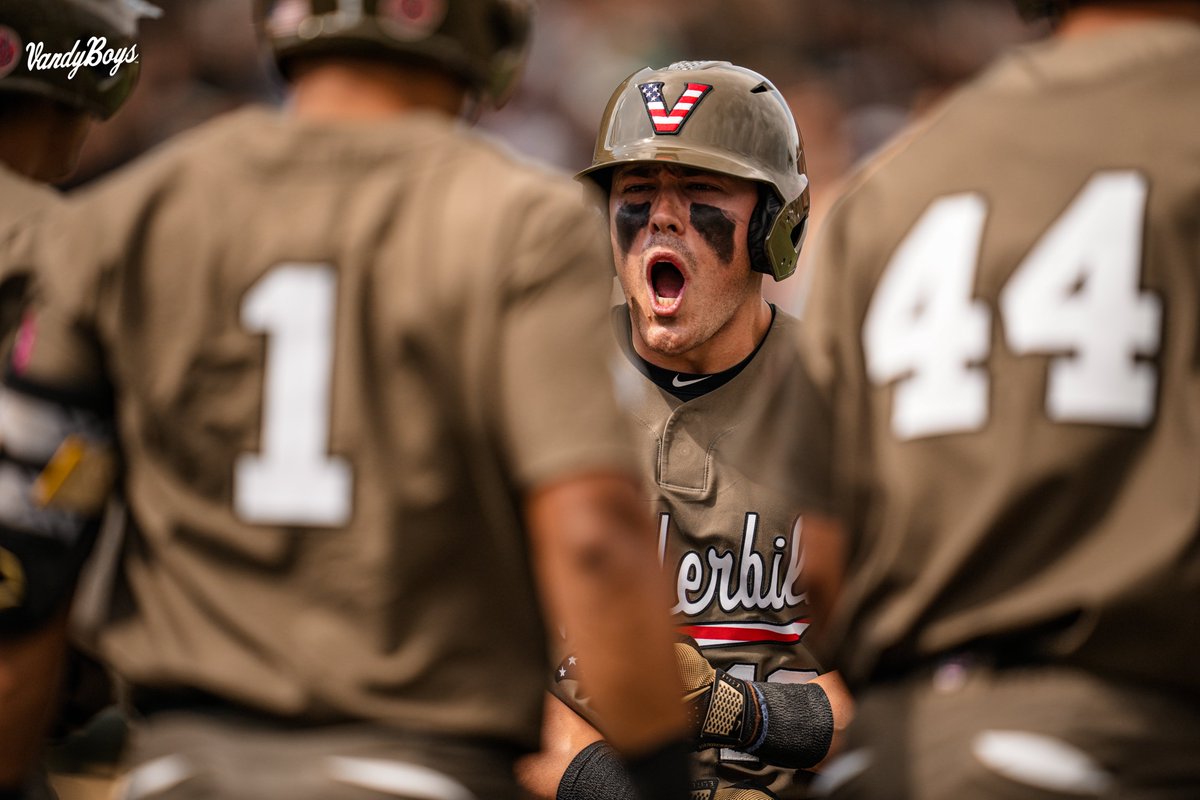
x=730 y=714
x=800 y=731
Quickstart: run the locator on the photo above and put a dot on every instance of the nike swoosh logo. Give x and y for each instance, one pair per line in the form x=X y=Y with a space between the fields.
x=678 y=384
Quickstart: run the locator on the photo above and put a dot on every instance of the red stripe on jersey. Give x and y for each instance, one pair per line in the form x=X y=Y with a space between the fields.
x=747 y=633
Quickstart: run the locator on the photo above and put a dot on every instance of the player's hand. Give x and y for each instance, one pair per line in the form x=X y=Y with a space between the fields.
x=724 y=711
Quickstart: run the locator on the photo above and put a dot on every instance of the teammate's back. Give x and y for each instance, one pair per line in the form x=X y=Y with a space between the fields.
x=354 y=361
x=1043 y=393
x=1005 y=323
x=324 y=352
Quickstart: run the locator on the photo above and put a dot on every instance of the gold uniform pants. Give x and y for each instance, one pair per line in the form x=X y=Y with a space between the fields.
x=221 y=756
x=968 y=731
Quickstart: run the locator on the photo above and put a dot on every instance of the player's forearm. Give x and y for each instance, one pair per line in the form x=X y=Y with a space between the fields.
x=627 y=665
x=841 y=704
x=602 y=584
x=30 y=673
x=564 y=735
x=824 y=566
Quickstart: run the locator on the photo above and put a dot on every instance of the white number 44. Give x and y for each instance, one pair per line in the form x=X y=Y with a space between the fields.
x=1075 y=297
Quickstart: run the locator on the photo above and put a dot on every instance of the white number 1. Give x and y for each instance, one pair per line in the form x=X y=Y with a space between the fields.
x=294 y=480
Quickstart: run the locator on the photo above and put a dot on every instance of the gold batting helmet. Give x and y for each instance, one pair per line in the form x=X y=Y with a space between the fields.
x=1036 y=9
x=482 y=42
x=1053 y=9
x=715 y=116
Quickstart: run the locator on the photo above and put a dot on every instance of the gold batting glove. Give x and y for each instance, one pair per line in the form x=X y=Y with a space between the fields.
x=724 y=711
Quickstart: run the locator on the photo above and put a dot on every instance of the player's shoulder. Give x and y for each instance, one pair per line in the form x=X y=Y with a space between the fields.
x=781 y=348
x=906 y=154
x=20 y=196
x=783 y=333
x=1150 y=69
x=23 y=203
x=507 y=171
x=146 y=178
x=1150 y=48
x=524 y=207
x=784 y=321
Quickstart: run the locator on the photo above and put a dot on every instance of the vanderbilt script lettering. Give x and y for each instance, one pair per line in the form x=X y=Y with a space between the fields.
x=741 y=580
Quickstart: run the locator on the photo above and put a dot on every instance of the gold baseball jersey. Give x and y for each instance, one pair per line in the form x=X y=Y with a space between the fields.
x=1005 y=323
x=339 y=354
x=729 y=533
x=21 y=198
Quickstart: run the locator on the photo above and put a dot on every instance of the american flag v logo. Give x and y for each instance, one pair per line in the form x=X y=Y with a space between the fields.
x=670 y=120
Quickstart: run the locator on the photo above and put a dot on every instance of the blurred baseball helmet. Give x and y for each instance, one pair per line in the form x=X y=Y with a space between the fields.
x=715 y=116
x=79 y=52
x=1036 y=9
x=482 y=42
x=1053 y=9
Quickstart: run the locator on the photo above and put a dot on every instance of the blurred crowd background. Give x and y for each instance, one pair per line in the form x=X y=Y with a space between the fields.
x=854 y=71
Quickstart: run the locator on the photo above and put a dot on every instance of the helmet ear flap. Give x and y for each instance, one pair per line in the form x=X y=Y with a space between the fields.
x=512 y=22
x=768 y=208
x=776 y=234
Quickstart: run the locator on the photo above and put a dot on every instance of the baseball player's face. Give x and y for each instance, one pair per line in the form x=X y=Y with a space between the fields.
x=679 y=239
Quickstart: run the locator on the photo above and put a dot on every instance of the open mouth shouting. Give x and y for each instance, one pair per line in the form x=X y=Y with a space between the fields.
x=666 y=281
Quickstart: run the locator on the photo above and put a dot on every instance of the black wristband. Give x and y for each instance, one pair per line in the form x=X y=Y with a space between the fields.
x=596 y=773
x=662 y=774
x=799 y=726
